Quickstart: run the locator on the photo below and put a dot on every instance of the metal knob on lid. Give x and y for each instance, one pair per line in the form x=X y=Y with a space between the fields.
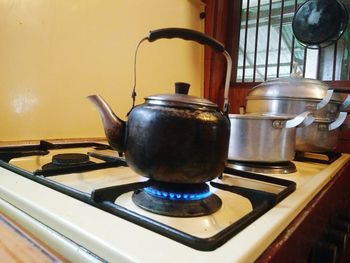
x=182 y=87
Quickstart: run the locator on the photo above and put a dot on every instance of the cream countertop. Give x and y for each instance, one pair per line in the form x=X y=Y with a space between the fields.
x=115 y=239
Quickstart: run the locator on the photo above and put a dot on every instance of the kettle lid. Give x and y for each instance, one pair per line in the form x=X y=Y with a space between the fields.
x=180 y=100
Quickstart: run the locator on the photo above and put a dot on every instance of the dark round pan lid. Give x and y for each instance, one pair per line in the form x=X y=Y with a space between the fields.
x=319 y=23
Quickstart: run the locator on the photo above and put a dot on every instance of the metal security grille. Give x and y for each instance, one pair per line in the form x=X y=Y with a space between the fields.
x=268 y=49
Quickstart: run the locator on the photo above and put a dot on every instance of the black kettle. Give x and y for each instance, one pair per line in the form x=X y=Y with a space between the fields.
x=174 y=138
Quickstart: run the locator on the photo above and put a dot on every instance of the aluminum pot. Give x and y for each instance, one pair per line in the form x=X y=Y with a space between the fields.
x=264 y=138
x=321 y=136
x=294 y=95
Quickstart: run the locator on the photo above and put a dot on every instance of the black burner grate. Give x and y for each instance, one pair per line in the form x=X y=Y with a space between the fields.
x=266 y=168
x=323 y=158
x=261 y=202
x=51 y=169
x=105 y=198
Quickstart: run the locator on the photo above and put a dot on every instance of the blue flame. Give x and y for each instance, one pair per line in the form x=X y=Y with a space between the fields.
x=177 y=195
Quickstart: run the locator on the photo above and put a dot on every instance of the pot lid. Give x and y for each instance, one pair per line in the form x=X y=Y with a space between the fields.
x=292 y=87
x=180 y=100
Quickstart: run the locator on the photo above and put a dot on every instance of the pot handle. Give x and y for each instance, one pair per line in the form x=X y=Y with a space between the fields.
x=304 y=119
x=327 y=98
x=338 y=122
x=346 y=102
x=199 y=37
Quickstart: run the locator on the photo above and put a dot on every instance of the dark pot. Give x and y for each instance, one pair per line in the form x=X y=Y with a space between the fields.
x=173 y=138
x=319 y=23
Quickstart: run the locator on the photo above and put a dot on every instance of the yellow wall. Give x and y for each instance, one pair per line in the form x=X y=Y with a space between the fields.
x=53 y=53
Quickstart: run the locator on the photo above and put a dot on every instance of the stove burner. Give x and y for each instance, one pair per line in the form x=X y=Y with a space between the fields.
x=266 y=168
x=177 y=200
x=201 y=192
x=70 y=159
x=67 y=160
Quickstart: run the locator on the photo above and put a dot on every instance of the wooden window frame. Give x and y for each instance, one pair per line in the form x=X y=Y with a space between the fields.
x=222 y=19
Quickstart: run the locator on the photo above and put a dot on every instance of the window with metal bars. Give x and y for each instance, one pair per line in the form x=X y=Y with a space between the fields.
x=267 y=48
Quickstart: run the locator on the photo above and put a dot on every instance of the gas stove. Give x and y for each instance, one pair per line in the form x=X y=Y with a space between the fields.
x=87 y=195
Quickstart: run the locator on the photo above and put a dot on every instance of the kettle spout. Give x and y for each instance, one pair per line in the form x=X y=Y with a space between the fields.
x=113 y=126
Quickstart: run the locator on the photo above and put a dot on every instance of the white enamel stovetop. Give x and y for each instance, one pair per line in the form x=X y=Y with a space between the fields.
x=83 y=233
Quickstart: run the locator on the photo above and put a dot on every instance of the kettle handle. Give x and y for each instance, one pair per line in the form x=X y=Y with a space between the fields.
x=199 y=37
x=186 y=34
